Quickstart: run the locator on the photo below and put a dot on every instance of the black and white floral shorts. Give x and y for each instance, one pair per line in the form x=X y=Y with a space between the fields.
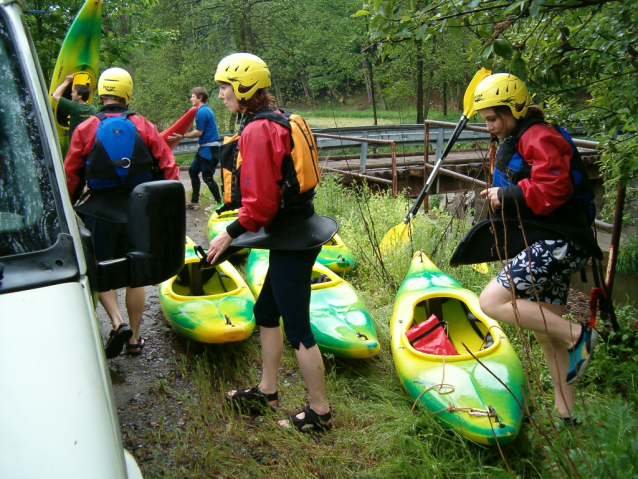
x=550 y=263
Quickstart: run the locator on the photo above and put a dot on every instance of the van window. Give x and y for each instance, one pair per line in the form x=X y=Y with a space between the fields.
x=28 y=216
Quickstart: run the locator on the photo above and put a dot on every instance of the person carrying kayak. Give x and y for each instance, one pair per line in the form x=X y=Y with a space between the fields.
x=264 y=147
x=539 y=188
x=207 y=155
x=77 y=107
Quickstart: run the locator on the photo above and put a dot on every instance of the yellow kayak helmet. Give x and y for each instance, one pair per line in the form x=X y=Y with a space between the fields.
x=115 y=82
x=245 y=70
x=502 y=89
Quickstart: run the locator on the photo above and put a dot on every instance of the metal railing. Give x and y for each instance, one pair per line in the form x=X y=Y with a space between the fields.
x=362 y=160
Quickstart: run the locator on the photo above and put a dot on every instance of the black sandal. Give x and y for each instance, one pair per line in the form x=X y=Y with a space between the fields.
x=252 y=398
x=312 y=420
x=117 y=338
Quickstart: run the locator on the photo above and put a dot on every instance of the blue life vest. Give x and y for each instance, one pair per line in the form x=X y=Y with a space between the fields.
x=511 y=167
x=119 y=159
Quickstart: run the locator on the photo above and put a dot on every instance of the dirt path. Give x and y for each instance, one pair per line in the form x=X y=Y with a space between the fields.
x=142 y=383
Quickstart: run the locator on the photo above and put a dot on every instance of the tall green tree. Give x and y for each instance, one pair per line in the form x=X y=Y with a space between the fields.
x=577 y=56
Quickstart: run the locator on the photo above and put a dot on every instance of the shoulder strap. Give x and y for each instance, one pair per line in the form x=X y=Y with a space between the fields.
x=102 y=114
x=527 y=124
x=268 y=114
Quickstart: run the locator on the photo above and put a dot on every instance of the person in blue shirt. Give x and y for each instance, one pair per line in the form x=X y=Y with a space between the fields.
x=207 y=157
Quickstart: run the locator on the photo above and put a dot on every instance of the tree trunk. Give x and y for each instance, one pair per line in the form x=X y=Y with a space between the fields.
x=444 y=99
x=232 y=122
x=280 y=97
x=419 y=84
x=306 y=90
x=381 y=98
x=366 y=75
x=246 y=32
x=428 y=95
x=374 y=103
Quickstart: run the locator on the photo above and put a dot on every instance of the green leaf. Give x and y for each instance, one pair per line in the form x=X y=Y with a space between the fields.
x=503 y=48
x=484 y=31
x=488 y=51
x=518 y=66
x=360 y=13
x=534 y=9
x=513 y=7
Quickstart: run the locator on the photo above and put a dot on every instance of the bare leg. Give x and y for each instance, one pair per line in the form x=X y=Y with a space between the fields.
x=108 y=300
x=496 y=301
x=557 y=360
x=135 y=302
x=311 y=365
x=272 y=344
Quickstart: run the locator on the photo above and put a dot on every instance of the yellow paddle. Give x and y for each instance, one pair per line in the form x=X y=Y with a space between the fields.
x=401 y=233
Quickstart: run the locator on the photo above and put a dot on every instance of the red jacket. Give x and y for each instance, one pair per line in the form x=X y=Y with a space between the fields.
x=263 y=145
x=549 y=155
x=83 y=140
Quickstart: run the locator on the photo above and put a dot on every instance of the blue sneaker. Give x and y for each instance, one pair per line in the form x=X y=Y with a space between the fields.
x=580 y=354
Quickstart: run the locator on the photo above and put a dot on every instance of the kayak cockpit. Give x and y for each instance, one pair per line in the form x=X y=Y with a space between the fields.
x=195 y=281
x=447 y=326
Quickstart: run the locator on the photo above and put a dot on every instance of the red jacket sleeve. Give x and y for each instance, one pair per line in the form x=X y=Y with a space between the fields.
x=263 y=145
x=159 y=148
x=549 y=154
x=81 y=143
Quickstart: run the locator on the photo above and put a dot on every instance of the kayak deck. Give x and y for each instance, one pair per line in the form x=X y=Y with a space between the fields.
x=209 y=305
x=480 y=400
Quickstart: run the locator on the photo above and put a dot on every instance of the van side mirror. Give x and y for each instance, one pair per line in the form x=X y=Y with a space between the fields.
x=156 y=230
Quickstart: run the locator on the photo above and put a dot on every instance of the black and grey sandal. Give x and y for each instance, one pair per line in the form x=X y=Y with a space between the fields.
x=311 y=420
x=117 y=338
x=252 y=398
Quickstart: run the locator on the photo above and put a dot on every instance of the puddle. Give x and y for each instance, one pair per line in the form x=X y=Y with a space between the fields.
x=116 y=377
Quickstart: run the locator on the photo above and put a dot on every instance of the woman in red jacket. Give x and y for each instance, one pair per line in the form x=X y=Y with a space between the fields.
x=263 y=146
x=539 y=181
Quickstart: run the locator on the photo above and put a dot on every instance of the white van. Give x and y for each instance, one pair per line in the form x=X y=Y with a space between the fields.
x=57 y=413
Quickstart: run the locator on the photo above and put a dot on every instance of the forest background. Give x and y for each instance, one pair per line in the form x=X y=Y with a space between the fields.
x=578 y=57
x=336 y=57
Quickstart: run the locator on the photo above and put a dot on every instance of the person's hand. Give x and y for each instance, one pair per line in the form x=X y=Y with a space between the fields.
x=491 y=195
x=69 y=78
x=217 y=246
x=175 y=137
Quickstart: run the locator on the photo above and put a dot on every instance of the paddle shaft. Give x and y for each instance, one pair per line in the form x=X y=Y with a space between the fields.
x=419 y=200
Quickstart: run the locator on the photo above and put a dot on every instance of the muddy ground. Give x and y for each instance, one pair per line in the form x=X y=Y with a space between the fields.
x=144 y=385
x=139 y=381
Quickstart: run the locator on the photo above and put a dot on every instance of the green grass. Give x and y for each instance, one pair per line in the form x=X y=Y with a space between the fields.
x=329 y=117
x=376 y=434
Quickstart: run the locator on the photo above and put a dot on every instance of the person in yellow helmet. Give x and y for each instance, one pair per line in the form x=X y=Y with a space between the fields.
x=540 y=183
x=265 y=146
x=110 y=154
x=77 y=107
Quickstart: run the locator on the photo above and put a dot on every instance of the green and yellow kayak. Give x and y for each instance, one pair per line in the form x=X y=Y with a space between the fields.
x=336 y=256
x=79 y=54
x=458 y=391
x=339 y=321
x=212 y=305
x=219 y=222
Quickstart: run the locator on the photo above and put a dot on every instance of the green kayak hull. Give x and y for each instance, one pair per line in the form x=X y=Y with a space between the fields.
x=336 y=256
x=79 y=54
x=461 y=393
x=339 y=321
x=209 y=306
